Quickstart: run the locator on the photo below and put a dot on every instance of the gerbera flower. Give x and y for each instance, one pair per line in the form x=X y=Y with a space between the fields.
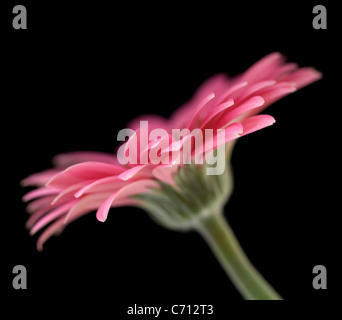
x=176 y=194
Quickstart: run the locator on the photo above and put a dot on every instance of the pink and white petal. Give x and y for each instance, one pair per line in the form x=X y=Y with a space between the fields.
x=257 y=122
x=40 y=192
x=215 y=111
x=275 y=93
x=108 y=184
x=264 y=68
x=284 y=70
x=87 y=203
x=62 y=181
x=132 y=172
x=40 y=178
x=58 y=226
x=251 y=103
x=233 y=91
x=52 y=215
x=37 y=215
x=54 y=228
x=77 y=211
x=270 y=94
x=39 y=203
x=64 y=160
x=303 y=77
x=68 y=193
x=196 y=115
x=84 y=171
x=216 y=84
x=137 y=187
x=254 y=89
x=92 y=170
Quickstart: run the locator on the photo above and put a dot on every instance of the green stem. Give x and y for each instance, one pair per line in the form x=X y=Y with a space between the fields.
x=228 y=251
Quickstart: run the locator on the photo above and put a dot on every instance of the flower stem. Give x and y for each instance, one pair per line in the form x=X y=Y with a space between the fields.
x=246 y=278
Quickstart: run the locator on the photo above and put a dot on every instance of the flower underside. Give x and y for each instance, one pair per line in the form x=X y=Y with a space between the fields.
x=193 y=197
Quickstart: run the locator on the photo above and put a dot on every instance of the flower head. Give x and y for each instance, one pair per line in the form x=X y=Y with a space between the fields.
x=82 y=182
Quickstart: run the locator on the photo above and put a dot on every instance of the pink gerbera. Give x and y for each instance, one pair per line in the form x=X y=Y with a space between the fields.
x=82 y=182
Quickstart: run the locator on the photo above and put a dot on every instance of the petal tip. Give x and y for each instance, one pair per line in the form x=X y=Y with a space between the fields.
x=101 y=218
x=78 y=194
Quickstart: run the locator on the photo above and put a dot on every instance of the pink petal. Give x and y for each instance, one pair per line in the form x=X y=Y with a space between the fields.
x=54 y=228
x=250 y=104
x=71 y=158
x=102 y=185
x=38 y=203
x=284 y=70
x=39 y=179
x=196 y=115
x=303 y=77
x=130 y=173
x=254 y=88
x=40 y=192
x=37 y=215
x=275 y=93
x=86 y=204
x=52 y=215
x=67 y=194
x=264 y=68
x=270 y=95
x=215 y=111
x=137 y=187
x=256 y=123
x=84 y=171
x=233 y=91
x=216 y=84
x=77 y=211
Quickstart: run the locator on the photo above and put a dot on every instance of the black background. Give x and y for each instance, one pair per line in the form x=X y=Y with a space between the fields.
x=80 y=72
